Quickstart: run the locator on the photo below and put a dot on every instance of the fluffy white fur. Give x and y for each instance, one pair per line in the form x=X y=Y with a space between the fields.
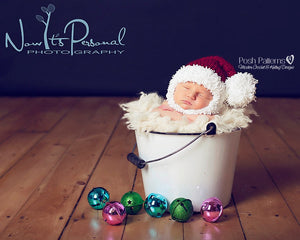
x=240 y=89
x=141 y=118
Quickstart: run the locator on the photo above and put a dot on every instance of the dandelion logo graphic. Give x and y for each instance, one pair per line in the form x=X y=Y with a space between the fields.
x=50 y=9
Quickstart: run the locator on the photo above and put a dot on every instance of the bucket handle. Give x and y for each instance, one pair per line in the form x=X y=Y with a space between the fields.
x=140 y=163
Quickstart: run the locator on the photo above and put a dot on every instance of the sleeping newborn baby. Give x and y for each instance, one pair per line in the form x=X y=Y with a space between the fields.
x=203 y=87
x=187 y=95
x=204 y=90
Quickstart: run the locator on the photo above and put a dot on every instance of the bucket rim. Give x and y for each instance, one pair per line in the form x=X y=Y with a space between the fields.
x=188 y=134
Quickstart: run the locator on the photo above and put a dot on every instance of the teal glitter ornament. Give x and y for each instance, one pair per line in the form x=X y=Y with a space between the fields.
x=155 y=205
x=133 y=202
x=98 y=197
x=181 y=209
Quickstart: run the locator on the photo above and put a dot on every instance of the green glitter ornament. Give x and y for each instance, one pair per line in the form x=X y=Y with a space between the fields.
x=181 y=209
x=132 y=202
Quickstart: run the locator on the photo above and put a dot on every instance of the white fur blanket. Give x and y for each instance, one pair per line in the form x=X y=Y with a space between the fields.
x=141 y=118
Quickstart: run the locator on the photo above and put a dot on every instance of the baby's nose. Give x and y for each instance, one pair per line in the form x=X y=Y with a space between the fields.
x=192 y=95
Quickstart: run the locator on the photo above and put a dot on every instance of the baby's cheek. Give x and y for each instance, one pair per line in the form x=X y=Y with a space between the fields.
x=200 y=103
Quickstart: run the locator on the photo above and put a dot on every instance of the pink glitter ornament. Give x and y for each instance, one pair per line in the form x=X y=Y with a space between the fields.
x=211 y=209
x=114 y=213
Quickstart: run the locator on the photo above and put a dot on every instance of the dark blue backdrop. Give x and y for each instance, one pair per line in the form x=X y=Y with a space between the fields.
x=117 y=47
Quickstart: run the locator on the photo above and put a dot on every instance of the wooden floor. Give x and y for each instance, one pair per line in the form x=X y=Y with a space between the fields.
x=53 y=151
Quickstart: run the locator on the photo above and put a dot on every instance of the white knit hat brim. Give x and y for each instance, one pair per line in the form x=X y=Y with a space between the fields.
x=202 y=76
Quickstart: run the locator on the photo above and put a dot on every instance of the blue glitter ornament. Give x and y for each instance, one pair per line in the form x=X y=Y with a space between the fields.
x=155 y=205
x=98 y=197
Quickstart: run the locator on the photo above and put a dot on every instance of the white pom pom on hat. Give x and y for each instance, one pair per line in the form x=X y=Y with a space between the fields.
x=218 y=76
x=240 y=89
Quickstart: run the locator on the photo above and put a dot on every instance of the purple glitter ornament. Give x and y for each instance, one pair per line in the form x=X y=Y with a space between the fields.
x=211 y=209
x=114 y=213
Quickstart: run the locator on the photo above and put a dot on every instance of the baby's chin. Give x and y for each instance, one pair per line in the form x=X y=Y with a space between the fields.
x=187 y=107
x=190 y=107
x=184 y=105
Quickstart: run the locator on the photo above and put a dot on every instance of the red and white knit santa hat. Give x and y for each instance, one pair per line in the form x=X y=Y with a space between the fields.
x=218 y=76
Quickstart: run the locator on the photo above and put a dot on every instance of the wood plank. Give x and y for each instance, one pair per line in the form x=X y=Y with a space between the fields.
x=40 y=114
x=263 y=211
x=116 y=175
x=48 y=113
x=13 y=120
x=15 y=147
x=45 y=214
x=281 y=163
x=28 y=173
x=10 y=104
x=284 y=117
x=25 y=177
x=289 y=105
x=143 y=226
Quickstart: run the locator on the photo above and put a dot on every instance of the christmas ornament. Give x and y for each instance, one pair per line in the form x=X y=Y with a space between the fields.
x=98 y=197
x=155 y=205
x=211 y=209
x=132 y=202
x=181 y=209
x=114 y=213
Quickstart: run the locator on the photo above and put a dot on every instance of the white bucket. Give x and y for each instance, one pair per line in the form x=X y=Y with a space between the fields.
x=202 y=170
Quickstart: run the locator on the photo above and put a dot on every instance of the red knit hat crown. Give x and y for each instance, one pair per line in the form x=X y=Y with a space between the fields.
x=221 y=67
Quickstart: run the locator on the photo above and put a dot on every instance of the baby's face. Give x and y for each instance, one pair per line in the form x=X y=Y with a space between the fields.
x=191 y=95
